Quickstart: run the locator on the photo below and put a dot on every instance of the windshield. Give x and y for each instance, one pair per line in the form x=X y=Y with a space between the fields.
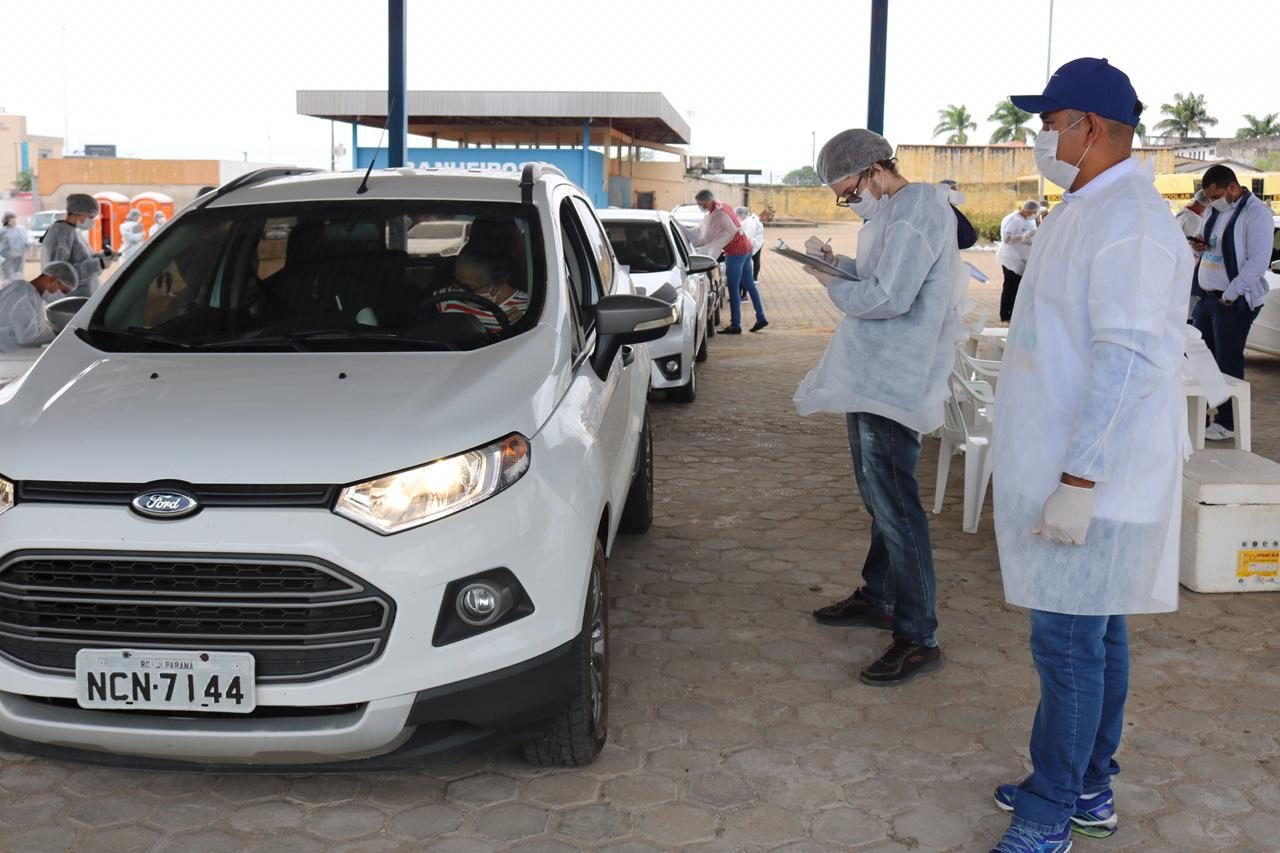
x=345 y=276
x=643 y=246
x=44 y=219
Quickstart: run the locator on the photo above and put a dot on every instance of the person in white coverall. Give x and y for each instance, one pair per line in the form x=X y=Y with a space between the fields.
x=1090 y=437
x=13 y=247
x=754 y=229
x=886 y=371
x=64 y=241
x=23 y=322
x=132 y=235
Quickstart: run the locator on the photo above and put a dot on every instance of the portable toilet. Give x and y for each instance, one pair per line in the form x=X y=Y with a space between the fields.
x=113 y=208
x=149 y=204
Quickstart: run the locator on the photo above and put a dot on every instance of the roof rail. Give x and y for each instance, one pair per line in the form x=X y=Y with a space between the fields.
x=532 y=172
x=257 y=176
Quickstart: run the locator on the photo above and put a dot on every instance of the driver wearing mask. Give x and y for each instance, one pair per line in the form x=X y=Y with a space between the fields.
x=66 y=241
x=484 y=285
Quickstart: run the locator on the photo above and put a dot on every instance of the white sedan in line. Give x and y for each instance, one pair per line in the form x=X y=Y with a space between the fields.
x=663 y=265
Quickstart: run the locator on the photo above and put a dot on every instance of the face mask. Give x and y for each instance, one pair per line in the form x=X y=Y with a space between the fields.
x=1220 y=204
x=84 y=224
x=1053 y=169
x=866 y=206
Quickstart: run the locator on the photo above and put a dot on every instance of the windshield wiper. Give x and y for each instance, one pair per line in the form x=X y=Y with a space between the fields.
x=298 y=340
x=340 y=335
x=136 y=333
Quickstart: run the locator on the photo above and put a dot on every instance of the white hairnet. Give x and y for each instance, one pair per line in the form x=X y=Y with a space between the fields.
x=741 y=211
x=134 y=215
x=1031 y=206
x=63 y=272
x=82 y=203
x=850 y=152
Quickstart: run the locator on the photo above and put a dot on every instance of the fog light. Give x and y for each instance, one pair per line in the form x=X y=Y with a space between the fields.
x=483 y=603
x=672 y=366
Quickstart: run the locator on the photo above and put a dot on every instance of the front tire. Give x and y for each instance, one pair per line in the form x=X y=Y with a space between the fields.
x=702 y=349
x=578 y=733
x=637 y=514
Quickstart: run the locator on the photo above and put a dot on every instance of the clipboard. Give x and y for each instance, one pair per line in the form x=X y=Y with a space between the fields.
x=812 y=261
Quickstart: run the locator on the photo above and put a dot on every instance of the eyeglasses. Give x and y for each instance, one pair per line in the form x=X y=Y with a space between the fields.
x=851 y=197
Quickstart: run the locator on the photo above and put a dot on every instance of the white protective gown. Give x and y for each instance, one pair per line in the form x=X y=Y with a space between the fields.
x=65 y=242
x=23 y=323
x=132 y=235
x=892 y=353
x=1091 y=386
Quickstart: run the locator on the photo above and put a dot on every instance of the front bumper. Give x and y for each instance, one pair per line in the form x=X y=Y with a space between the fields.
x=511 y=705
x=679 y=342
x=375 y=709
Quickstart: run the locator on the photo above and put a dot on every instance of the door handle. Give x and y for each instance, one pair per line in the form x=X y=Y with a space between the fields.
x=628 y=356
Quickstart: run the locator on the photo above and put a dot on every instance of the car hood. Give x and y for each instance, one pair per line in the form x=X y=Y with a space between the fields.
x=269 y=418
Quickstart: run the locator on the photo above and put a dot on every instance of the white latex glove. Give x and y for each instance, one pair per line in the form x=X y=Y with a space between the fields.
x=1066 y=516
x=819 y=248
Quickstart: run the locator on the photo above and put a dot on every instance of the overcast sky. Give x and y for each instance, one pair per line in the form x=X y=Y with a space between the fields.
x=755 y=79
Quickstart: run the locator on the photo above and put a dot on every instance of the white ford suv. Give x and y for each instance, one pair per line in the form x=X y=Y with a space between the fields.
x=329 y=472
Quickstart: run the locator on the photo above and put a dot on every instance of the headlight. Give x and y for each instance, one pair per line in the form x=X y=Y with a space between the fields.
x=421 y=495
x=679 y=306
x=6 y=495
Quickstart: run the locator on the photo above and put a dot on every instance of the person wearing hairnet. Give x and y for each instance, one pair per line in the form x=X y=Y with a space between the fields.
x=23 y=322
x=886 y=370
x=64 y=241
x=132 y=234
x=1089 y=441
x=754 y=229
x=160 y=220
x=13 y=247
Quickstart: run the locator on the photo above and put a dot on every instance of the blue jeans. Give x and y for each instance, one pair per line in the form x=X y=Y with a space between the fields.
x=1225 y=329
x=739 y=269
x=898 y=572
x=1083 y=663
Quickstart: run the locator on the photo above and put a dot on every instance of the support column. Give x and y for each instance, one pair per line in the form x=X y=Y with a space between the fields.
x=586 y=154
x=875 y=79
x=397 y=88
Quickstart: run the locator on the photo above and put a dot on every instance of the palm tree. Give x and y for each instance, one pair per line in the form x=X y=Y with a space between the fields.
x=956 y=121
x=1186 y=115
x=1268 y=125
x=1012 y=123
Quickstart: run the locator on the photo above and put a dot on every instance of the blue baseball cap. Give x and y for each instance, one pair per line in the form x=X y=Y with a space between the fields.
x=1089 y=85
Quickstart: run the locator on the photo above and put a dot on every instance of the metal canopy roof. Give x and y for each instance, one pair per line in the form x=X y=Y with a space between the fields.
x=520 y=117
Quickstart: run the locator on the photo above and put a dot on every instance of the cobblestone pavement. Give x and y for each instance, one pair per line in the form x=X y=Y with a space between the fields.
x=738 y=723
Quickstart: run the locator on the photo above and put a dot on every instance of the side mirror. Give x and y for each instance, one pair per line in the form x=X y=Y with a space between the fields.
x=64 y=310
x=627 y=319
x=702 y=263
x=1275 y=266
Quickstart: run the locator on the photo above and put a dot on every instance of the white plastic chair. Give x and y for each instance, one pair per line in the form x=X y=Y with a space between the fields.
x=967 y=430
x=982 y=369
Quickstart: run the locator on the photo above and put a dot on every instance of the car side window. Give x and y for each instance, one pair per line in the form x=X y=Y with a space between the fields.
x=598 y=244
x=577 y=269
x=678 y=239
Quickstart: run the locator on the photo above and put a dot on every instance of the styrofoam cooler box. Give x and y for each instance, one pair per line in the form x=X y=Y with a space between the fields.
x=1230 y=522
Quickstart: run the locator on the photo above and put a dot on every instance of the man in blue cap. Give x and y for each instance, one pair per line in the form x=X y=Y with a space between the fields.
x=1088 y=445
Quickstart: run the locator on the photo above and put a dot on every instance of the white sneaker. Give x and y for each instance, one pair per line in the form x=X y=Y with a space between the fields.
x=1217 y=432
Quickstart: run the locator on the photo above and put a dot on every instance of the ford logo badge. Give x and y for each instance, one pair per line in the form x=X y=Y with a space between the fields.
x=165 y=504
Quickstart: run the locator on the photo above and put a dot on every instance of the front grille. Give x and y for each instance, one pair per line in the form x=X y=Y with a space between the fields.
x=302 y=619
x=120 y=494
